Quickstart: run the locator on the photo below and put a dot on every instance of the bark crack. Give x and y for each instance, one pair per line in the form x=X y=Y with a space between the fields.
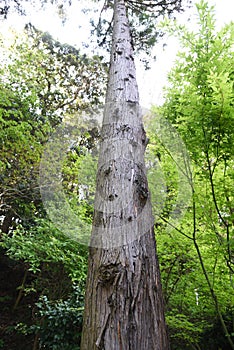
x=100 y=340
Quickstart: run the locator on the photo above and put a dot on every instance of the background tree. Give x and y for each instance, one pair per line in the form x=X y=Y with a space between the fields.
x=35 y=98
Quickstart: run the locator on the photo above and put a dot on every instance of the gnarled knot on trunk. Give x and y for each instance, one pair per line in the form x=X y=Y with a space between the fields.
x=144 y=138
x=107 y=273
x=141 y=186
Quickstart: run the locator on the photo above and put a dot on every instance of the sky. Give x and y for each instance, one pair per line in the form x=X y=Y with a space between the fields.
x=76 y=31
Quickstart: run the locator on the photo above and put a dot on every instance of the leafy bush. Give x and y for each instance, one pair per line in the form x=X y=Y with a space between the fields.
x=43 y=243
x=182 y=332
x=60 y=322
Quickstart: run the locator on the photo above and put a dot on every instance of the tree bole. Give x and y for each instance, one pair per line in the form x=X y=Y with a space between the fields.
x=124 y=304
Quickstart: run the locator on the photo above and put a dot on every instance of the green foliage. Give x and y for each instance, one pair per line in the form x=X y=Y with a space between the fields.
x=197 y=254
x=203 y=78
x=43 y=244
x=200 y=104
x=182 y=331
x=41 y=82
x=22 y=136
x=60 y=322
x=60 y=78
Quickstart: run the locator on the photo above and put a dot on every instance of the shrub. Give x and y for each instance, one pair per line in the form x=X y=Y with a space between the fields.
x=60 y=322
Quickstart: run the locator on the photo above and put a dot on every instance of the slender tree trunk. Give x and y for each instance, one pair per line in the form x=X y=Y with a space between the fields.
x=124 y=303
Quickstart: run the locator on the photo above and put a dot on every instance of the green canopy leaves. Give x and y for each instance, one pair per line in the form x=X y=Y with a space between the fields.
x=199 y=103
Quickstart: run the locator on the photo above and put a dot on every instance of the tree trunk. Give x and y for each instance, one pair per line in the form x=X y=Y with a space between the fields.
x=124 y=303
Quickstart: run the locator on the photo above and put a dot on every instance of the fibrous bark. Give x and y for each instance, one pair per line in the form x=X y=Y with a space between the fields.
x=124 y=304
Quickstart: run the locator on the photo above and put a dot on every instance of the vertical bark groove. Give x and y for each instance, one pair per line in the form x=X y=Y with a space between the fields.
x=124 y=304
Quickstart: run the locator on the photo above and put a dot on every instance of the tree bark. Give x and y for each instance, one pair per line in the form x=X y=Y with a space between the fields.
x=124 y=304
